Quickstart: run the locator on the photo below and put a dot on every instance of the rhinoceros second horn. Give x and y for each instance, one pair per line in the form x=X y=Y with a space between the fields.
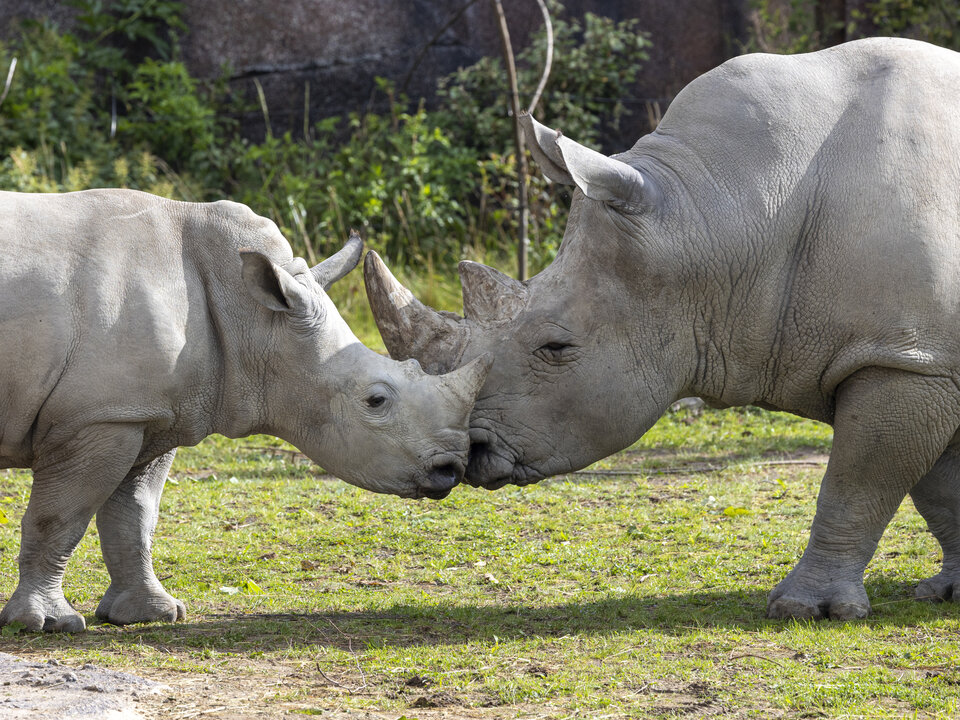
x=489 y=295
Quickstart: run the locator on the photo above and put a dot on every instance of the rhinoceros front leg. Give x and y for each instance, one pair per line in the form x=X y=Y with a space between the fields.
x=889 y=428
x=937 y=498
x=69 y=483
x=126 y=522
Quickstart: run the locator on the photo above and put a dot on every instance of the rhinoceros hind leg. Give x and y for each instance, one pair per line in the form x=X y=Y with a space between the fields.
x=937 y=498
x=70 y=482
x=890 y=427
x=126 y=522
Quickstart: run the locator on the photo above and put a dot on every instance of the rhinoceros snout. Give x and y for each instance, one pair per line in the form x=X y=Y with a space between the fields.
x=487 y=468
x=440 y=481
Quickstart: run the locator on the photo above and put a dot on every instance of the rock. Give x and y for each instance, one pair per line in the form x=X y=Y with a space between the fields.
x=52 y=691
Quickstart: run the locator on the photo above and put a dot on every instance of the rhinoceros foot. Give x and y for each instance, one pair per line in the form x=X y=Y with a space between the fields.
x=138 y=605
x=839 y=600
x=40 y=613
x=942 y=586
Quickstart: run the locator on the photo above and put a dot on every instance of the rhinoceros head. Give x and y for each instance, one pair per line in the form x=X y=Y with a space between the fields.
x=380 y=424
x=583 y=363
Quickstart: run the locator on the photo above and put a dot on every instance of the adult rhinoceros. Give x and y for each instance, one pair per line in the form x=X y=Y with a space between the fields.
x=789 y=237
x=134 y=324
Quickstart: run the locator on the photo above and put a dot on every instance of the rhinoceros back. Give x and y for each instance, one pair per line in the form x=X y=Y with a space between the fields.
x=830 y=180
x=106 y=302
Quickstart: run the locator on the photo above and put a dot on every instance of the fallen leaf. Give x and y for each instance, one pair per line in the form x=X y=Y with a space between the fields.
x=373 y=582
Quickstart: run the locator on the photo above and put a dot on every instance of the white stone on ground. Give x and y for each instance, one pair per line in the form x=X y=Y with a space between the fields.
x=51 y=691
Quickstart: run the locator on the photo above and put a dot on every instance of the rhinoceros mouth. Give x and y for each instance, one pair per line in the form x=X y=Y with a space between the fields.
x=490 y=467
x=445 y=473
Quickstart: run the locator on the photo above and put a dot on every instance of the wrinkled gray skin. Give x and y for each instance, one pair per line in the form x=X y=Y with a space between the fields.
x=789 y=237
x=135 y=324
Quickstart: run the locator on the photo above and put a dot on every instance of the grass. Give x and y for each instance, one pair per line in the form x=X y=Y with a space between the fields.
x=639 y=594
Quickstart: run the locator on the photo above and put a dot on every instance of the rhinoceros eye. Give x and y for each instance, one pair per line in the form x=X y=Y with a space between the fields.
x=554 y=353
x=375 y=401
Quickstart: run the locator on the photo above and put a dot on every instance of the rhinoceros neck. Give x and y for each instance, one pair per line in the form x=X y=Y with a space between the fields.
x=241 y=339
x=733 y=277
x=756 y=244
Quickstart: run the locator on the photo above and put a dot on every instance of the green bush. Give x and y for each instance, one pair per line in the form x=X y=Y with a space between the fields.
x=166 y=111
x=106 y=105
x=790 y=26
x=594 y=68
x=595 y=65
x=397 y=177
x=935 y=21
x=111 y=104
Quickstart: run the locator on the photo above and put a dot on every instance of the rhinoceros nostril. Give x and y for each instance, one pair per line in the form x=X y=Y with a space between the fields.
x=478 y=452
x=440 y=481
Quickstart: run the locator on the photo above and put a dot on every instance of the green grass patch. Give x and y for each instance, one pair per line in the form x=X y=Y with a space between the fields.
x=637 y=591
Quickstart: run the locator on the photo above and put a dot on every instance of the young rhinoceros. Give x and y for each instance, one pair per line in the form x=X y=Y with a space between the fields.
x=132 y=325
x=788 y=237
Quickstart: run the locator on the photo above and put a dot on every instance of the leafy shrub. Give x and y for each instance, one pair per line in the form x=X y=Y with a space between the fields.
x=110 y=104
x=594 y=68
x=935 y=21
x=790 y=26
x=397 y=177
x=166 y=111
x=98 y=106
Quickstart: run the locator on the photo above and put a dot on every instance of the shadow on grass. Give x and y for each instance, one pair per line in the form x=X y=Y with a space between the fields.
x=409 y=625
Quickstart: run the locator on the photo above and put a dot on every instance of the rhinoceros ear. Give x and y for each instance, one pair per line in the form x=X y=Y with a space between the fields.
x=489 y=296
x=542 y=142
x=409 y=328
x=339 y=264
x=271 y=285
x=607 y=179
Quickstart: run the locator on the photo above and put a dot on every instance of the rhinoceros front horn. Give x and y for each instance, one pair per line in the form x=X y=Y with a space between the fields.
x=409 y=328
x=466 y=381
x=340 y=263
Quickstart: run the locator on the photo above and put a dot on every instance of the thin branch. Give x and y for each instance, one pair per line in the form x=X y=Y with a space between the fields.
x=758 y=657
x=263 y=107
x=356 y=660
x=511 y=66
x=548 y=60
x=6 y=88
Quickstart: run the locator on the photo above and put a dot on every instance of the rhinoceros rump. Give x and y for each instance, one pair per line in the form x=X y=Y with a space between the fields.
x=133 y=325
x=789 y=237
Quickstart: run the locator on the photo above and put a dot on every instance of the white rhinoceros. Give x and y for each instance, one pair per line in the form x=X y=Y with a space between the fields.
x=133 y=325
x=789 y=237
